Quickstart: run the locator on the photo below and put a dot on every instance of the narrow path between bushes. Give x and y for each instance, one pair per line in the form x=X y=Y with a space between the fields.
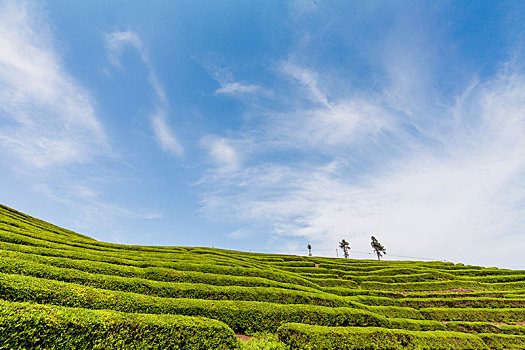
x=243 y=337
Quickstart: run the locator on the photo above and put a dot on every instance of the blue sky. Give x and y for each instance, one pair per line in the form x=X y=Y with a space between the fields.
x=268 y=125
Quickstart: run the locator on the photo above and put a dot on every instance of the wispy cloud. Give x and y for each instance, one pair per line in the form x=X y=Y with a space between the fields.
x=447 y=185
x=47 y=117
x=90 y=208
x=307 y=79
x=159 y=119
x=322 y=125
x=237 y=88
x=228 y=85
x=50 y=133
x=222 y=153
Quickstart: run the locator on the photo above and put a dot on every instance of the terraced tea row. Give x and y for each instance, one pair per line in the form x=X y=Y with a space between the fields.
x=108 y=295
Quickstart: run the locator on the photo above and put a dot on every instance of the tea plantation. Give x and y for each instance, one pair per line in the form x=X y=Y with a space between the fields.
x=63 y=290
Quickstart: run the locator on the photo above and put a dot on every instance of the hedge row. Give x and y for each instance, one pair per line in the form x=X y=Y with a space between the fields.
x=301 y=336
x=177 y=289
x=443 y=285
x=507 y=315
x=183 y=261
x=451 y=294
x=333 y=282
x=495 y=279
x=374 y=300
x=463 y=302
x=489 y=271
x=41 y=241
x=34 y=326
x=241 y=316
x=312 y=270
x=179 y=272
x=162 y=255
x=484 y=327
x=43 y=238
x=19 y=219
x=420 y=277
x=354 y=291
x=314 y=276
x=503 y=341
x=396 y=312
x=81 y=257
x=422 y=286
x=401 y=275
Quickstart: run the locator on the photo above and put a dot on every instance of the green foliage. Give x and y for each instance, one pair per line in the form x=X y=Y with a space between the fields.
x=484 y=327
x=33 y=326
x=423 y=286
x=241 y=316
x=345 y=246
x=508 y=315
x=378 y=248
x=503 y=341
x=103 y=295
x=301 y=336
x=396 y=312
x=479 y=302
x=264 y=341
x=169 y=289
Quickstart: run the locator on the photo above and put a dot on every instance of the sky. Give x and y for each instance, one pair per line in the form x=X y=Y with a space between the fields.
x=268 y=125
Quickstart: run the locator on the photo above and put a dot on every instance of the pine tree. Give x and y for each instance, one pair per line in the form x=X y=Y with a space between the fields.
x=378 y=248
x=345 y=246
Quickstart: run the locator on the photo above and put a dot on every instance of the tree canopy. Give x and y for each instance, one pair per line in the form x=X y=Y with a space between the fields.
x=378 y=248
x=345 y=246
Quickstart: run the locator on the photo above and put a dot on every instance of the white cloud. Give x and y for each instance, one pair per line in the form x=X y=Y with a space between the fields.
x=47 y=117
x=49 y=129
x=89 y=208
x=228 y=85
x=323 y=125
x=117 y=40
x=241 y=233
x=236 y=88
x=222 y=153
x=339 y=124
x=165 y=137
x=455 y=193
x=308 y=80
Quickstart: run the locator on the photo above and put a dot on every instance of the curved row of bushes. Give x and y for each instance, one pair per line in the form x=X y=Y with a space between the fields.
x=185 y=273
x=34 y=326
x=507 y=315
x=302 y=336
x=169 y=254
x=241 y=316
x=258 y=291
x=132 y=289
x=481 y=302
x=443 y=285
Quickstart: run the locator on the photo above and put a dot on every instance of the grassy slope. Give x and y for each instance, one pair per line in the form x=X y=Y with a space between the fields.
x=117 y=296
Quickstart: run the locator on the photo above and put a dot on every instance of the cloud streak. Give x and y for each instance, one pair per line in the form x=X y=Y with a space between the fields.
x=449 y=187
x=159 y=119
x=222 y=153
x=237 y=89
x=229 y=86
x=47 y=118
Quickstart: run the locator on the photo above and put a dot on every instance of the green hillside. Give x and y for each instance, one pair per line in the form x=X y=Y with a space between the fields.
x=63 y=290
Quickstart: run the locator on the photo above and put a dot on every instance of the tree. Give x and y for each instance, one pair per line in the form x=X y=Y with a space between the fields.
x=309 y=250
x=345 y=246
x=378 y=247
